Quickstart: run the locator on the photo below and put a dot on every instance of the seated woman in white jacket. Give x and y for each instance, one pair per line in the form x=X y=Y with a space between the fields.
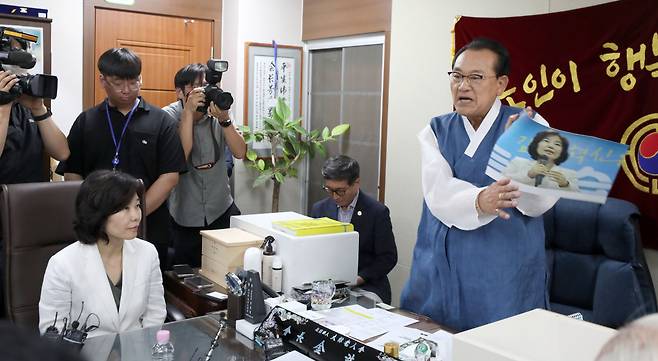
x=108 y=278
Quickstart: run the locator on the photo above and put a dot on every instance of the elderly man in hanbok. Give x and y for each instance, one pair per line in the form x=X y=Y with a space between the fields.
x=479 y=256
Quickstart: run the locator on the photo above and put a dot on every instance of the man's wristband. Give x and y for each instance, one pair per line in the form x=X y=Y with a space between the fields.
x=225 y=123
x=44 y=116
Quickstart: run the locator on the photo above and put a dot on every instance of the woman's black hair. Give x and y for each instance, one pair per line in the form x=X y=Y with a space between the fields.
x=102 y=194
x=532 y=148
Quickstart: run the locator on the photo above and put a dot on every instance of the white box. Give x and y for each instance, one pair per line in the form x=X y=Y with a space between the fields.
x=536 y=335
x=306 y=258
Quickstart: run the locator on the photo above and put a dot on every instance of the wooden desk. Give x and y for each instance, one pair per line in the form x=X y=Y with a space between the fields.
x=192 y=303
x=192 y=337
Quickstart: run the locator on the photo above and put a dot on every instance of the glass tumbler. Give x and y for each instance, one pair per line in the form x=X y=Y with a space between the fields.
x=321 y=295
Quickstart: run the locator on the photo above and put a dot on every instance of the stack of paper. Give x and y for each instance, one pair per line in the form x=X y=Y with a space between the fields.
x=311 y=226
x=363 y=323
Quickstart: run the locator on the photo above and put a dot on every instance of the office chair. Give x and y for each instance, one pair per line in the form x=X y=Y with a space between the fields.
x=37 y=222
x=595 y=262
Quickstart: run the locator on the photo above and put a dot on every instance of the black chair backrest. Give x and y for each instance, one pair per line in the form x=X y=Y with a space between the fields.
x=37 y=222
x=596 y=262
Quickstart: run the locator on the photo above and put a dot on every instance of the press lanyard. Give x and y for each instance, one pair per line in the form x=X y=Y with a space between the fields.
x=117 y=145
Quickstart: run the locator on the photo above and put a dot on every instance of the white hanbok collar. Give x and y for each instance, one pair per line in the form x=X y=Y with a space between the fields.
x=476 y=136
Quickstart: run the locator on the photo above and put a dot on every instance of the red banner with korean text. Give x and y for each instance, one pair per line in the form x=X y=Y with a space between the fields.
x=591 y=71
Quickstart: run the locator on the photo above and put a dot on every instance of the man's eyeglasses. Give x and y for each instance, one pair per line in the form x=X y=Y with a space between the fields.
x=457 y=78
x=120 y=84
x=339 y=192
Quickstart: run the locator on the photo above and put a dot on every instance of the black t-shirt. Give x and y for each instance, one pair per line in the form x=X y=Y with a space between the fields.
x=22 y=157
x=150 y=147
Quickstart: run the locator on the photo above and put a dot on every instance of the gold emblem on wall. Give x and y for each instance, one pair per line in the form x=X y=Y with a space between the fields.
x=641 y=162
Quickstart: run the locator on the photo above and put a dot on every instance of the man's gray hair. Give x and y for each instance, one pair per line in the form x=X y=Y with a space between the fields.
x=340 y=168
x=636 y=342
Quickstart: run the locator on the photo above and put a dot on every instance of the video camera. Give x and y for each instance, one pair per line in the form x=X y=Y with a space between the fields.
x=40 y=85
x=214 y=93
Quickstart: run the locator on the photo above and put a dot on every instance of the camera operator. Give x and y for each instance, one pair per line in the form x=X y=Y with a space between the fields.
x=26 y=130
x=202 y=198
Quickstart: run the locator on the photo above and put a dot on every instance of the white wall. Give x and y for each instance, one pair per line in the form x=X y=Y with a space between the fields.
x=262 y=22
x=66 y=37
x=420 y=57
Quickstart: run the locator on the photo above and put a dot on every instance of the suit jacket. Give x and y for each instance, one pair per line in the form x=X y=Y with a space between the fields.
x=76 y=274
x=377 y=251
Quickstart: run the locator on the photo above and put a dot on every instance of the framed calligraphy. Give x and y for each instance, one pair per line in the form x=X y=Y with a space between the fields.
x=270 y=73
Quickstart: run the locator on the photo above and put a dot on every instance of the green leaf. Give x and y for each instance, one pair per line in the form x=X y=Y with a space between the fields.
x=251 y=155
x=325 y=133
x=314 y=133
x=295 y=146
x=261 y=164
x=339 y=129
x=304 y=148
x=271 y=123
x=320 y=148
x=292 y=172
x=288 y=147
x=262 y=178
x=279 y=177
x=298 y=128
x=282 y=109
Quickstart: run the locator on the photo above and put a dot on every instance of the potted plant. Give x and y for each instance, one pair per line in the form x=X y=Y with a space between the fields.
x=289 y=142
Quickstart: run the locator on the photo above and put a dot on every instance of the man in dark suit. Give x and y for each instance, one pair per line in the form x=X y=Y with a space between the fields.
x=346 y=203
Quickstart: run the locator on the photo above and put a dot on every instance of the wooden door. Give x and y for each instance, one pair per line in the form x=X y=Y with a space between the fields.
x=164 y=43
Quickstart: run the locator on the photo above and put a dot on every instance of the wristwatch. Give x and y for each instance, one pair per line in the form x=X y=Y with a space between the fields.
x=225 y=123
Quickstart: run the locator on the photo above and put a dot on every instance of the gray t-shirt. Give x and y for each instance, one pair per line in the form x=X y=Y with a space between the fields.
x=201 y=195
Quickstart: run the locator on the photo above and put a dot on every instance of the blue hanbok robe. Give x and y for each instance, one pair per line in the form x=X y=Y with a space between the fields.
x=466 y=278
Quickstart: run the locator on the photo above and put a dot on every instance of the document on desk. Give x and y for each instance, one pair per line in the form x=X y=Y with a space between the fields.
x=363 y=323
x=402 y=335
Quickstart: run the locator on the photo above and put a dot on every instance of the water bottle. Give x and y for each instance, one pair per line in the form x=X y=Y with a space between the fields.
x=163 y=349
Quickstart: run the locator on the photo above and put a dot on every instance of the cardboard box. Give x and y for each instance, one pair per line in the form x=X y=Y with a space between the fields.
x=536 y=335
x=214 y=270
x=228 y=245
x=222 y=250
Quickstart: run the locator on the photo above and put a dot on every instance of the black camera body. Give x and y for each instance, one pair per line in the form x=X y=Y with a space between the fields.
x=39 y=85
x=214 y=93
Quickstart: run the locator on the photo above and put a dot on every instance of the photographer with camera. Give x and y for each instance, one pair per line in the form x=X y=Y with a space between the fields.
x=202 y=198
x=26 y=125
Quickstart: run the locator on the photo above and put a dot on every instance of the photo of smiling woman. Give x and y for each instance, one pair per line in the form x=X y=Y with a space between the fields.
x=109 y=280
x=548 y=150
